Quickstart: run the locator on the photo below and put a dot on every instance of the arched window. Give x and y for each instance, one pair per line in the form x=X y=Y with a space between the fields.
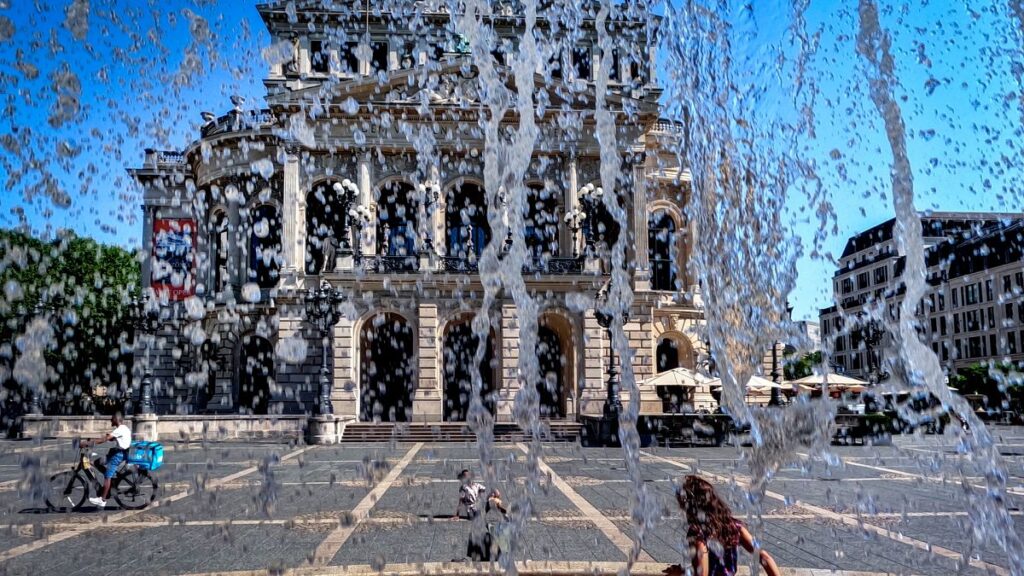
x=467 y=231
x=661 y=251
x=603 y=226
x=265 y=246
x=541 y=222
x=324 y=227
x=396 y=223
x=219 y=275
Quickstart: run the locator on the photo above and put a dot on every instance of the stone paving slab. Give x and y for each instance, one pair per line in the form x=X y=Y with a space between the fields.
x=445 y=541
x=256 y=503
x=952 y=532
x=170 y=550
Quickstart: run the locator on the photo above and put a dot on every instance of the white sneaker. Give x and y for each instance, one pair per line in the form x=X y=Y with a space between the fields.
x=99 y=502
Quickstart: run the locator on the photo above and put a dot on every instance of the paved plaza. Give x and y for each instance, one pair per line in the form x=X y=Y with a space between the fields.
x=355 y=509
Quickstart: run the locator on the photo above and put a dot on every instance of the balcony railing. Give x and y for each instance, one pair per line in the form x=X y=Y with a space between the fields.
x=459 y=265
x=555 y=266
x=387 y=264
x=236 y=121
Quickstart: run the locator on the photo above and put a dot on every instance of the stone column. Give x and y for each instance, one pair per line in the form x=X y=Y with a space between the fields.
x=293 y=250
x=238 y=265
x=642 y=278
x=509 y=353
x=369 y=238
x=691 y=245
x=345 y=385
x=595 y=355
x=438 y=211
x=148 y=216
x=428 y=401
x=571 y=202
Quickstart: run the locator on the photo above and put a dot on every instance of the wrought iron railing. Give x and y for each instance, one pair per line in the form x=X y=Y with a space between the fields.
x=457 y=264
x=555 y=266
x=387 y=264
x=236 y=121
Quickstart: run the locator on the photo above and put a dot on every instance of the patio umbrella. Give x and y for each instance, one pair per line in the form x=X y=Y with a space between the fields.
x=679 y=377
x=837 y=383
x=756 y=384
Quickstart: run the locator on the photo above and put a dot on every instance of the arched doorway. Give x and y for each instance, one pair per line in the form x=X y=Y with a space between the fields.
x=256 y=367
x=467 y=231
x=387 y=374
x=551 y=359
x=459 y=350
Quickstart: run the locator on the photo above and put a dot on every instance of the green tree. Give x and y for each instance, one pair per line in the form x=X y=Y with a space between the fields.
x=795 y=368
x=71 y=298
x=999 y=383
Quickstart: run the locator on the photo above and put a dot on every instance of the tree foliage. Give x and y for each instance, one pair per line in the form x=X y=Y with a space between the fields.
x=802 y=366
x=1000 y=384
x=65 y=320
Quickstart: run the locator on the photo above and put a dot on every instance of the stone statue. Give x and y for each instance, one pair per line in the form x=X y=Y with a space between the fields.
x=330 y=247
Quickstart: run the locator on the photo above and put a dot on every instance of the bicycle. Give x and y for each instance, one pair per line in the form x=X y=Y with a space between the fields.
x=133 y=487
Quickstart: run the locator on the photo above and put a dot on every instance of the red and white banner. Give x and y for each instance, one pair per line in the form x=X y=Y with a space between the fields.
x=174 y=257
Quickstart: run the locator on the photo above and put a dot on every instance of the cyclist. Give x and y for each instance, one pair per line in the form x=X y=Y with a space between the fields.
x=121 y=435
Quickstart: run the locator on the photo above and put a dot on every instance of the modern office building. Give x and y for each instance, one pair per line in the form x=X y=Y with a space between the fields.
x=972 y=312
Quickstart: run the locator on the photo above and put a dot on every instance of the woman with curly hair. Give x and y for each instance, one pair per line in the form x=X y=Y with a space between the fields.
x=714 y=534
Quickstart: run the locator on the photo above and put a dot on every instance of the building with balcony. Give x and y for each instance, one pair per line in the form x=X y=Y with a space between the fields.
x=365 y=170
x=972 y=313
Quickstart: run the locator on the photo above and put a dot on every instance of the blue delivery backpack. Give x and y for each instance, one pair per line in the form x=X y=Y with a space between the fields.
x=146 y=455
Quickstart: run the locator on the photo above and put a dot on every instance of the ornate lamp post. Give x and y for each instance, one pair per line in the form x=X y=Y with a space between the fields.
x=613 y=401
x=430 y=193
x=347 y=192
x=146 y=315
x=359 y=216
x=322 y=311
x=873 y=335
x=574 y=219
x=590 y=196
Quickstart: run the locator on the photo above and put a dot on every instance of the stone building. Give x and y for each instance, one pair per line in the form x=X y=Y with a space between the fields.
x=973 y=311
x=334 y=182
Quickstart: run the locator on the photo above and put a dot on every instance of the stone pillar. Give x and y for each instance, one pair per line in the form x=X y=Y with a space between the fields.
x=691 y=245
x=642 y=278
x=345 y=386
x=509 y=353
x=369 y=238
x=438 y=211
x=237 y=251
x=571 y=202
x=294 y=255
x=428 y=401
x=148 y=216
x=595 y=355
x=639 y=332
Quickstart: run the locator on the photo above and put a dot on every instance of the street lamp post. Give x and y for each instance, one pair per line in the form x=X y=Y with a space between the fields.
x=575 y=219
x=873 y=335
x=613 y=400
x=430 y=193
x=322 y=311
x=359 y=216
x=146 y=314
x=590 y=196
x=347 y=192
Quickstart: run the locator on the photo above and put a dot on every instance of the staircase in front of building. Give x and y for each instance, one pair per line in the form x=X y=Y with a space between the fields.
x=556 y=431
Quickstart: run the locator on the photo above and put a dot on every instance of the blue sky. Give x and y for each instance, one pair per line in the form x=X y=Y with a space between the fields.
x=137 y=89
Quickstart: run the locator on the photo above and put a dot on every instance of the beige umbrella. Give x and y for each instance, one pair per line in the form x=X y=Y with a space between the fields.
x=756 y=384
x=679 y=377
x=837 y=383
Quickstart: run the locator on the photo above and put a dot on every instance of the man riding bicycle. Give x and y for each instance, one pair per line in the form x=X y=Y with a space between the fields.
x=121 y=435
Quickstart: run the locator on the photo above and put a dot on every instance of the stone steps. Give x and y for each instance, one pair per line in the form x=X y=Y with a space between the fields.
x=558 y=431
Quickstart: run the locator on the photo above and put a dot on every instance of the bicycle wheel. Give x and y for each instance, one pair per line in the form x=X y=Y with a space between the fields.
x=67 y=492
x=134 y=489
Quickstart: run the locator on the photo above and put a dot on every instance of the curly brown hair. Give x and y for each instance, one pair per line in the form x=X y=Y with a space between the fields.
x=705 y=511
